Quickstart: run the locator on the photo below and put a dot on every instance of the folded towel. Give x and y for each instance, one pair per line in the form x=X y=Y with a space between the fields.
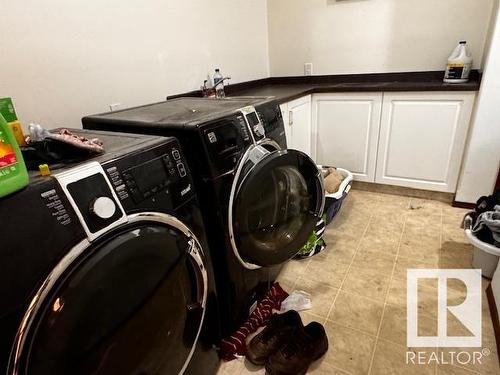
x=39 y=134
x=333 y=180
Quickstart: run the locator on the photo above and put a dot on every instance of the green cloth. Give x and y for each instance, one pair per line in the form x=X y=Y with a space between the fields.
x=315 y=244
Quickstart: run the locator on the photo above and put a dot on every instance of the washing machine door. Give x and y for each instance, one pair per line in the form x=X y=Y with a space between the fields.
x=132 y=302
x=276 y=200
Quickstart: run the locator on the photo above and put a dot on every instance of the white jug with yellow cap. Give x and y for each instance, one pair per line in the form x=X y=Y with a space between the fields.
x=459 y=65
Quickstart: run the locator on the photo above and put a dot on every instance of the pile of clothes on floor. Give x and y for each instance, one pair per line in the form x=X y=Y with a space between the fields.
x=285 y=346
x=486 y=219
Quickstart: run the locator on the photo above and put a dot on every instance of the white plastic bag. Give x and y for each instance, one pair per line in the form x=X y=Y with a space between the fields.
x=38 y=133
x=298 y=300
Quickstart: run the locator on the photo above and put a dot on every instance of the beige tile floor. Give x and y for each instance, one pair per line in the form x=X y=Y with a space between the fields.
x=358 y=286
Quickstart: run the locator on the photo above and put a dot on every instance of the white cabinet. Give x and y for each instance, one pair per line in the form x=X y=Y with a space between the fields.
x=422 y=139
x=345 y=131
x=411 y=139
x=297 y=119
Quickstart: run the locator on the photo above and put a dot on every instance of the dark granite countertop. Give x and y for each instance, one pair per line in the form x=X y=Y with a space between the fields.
x=284 y=89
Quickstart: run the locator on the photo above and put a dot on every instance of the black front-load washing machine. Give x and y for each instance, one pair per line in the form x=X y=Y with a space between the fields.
x=104 y=267
x=260 y=203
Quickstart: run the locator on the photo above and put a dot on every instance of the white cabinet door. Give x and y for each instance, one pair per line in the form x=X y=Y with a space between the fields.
x=346 y=130
x=297 y=118
x=422 y=139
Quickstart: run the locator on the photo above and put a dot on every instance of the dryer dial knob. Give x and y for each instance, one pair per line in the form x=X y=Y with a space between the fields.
x=103 y=207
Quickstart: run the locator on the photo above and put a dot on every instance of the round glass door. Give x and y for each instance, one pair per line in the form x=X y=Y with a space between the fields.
x=276 y=208
x=130 y=304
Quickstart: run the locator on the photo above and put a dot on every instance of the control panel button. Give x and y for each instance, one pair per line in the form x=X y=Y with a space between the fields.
x=259 y=130
x=176 y=154
x=104 y=207
x=168 y=161
x=123 y=195
x=182 y=170
x=131 y=183
x=212 y=138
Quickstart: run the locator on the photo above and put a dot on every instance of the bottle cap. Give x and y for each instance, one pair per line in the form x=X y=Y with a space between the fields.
x=463 y=42
x=44 y=170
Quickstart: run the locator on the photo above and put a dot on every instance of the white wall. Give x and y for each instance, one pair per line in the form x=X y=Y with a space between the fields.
x=482 y=157
x=372 y=36
x=63 y=59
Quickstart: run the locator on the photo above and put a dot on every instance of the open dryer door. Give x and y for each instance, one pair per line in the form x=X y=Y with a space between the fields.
x=276 y=201
x=129 y=303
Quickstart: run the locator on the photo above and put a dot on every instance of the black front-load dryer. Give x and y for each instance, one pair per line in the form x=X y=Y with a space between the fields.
x=260 y=202
x=104 y=267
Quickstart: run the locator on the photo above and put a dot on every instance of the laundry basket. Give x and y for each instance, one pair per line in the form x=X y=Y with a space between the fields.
x=485 y=255
x=333 y=202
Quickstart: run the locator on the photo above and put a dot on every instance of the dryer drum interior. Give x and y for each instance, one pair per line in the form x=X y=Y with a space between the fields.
x=275 y=205
x=130 y=303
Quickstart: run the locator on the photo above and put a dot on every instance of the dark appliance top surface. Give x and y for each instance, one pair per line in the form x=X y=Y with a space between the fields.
x=115 y=145
x=180 y=112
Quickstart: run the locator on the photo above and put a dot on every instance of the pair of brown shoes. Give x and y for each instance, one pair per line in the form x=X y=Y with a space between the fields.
x=286 y=347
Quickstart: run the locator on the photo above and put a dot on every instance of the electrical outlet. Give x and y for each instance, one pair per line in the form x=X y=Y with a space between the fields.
x=308 y=69
x=114 y=106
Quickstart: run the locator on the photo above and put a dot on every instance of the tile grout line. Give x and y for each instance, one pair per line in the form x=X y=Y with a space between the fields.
x=349 y=266
x=371 y=299
x=357 y=330
x=388 y=290
x=436 y=367
x=300 y=275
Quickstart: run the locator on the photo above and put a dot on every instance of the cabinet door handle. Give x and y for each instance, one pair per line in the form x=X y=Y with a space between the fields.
x=290 y=118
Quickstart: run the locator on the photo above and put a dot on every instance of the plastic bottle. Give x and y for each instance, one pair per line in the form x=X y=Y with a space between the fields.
x=219 y=84
x=13 y=173
x=210 y=82
x=209 y=87
x=459 y=65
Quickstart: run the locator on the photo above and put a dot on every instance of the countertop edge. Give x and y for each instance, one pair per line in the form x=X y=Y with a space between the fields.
x=298 y=86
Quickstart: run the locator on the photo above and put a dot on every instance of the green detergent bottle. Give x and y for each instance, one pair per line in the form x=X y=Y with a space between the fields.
x=13 y=173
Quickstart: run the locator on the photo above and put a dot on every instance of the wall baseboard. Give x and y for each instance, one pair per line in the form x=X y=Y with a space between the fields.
x=457 y=204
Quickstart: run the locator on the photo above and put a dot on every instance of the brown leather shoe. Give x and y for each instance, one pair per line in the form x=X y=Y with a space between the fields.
x=304 y=347
x=277 y=332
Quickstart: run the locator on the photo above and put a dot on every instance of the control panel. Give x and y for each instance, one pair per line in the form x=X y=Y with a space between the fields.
x=160 y=171
x=254 y=123
x=272 y=120
x=245 y=132
x=149 y=178
x=226 y=141
x=93 y=198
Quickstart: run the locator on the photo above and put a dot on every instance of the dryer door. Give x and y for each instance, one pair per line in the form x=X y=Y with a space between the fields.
x=130 y=303
x=276 y=201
